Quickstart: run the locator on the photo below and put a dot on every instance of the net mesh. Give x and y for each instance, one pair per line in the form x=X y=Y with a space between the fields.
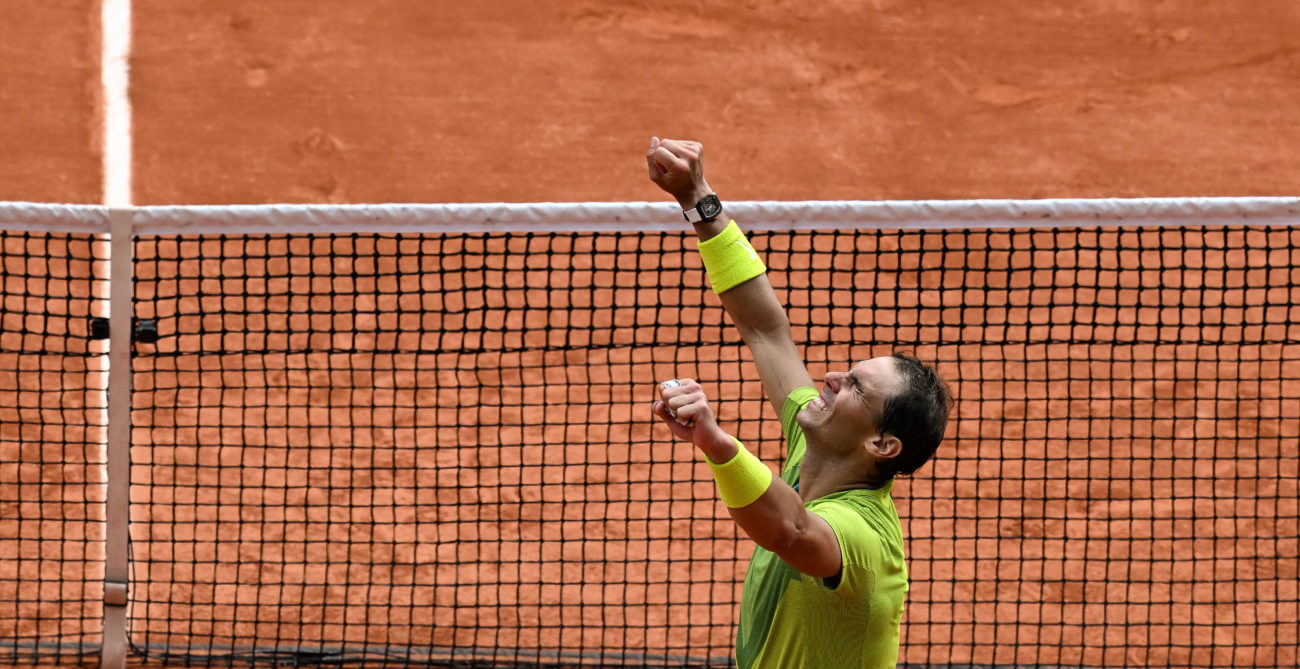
x=51 y=454
x=391 y=449
x=422 y=447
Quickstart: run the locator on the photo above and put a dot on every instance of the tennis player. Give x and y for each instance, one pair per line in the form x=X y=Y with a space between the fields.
x=826 y=585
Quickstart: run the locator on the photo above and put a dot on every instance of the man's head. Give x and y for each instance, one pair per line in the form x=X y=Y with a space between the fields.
x=917 y=415
x=893 y=407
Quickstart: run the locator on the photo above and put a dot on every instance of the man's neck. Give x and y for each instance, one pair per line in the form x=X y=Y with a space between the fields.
x=825 y=472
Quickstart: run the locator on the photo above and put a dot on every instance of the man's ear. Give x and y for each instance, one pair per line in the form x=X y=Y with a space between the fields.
x=885 y=447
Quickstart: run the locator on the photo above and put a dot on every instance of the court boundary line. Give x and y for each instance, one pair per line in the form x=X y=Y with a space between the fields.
x=115 y=75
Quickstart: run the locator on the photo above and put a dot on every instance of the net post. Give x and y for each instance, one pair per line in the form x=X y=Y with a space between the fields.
x=118 y=461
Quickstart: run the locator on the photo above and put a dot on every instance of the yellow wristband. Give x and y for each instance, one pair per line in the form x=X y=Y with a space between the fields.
x=729 y=259
x=742 y=479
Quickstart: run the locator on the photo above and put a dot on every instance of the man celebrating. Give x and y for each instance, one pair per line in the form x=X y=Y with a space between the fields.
x=826 y=585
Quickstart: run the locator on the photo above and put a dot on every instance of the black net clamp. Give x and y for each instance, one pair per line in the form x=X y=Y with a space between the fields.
x=114 y=593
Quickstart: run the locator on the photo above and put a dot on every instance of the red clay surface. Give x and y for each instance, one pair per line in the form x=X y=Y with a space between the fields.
x=49 y=109
x=512 y=100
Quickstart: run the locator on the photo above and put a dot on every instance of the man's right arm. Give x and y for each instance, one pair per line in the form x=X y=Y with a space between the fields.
x=678 y=168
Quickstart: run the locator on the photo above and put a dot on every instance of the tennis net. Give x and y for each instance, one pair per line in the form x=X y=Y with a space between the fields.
x=362 y=438
x=51 y=454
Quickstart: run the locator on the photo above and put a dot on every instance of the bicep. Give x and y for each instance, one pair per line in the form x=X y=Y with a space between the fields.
x=779 y=522
x=816 y=550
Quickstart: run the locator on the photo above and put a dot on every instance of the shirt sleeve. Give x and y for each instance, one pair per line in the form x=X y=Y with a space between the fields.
x=860 y=547
x=794 y=439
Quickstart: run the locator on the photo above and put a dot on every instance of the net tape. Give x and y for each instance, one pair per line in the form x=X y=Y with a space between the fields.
x=657 y=216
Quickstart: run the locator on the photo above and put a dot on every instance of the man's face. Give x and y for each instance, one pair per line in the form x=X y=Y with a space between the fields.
x=847 y=412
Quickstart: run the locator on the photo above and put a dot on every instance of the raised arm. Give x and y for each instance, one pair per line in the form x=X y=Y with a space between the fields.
x=677 y=167
x=770 y=511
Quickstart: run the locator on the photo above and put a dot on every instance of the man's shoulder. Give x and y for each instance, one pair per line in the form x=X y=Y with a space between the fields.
x=865 y=523
x=851 y=507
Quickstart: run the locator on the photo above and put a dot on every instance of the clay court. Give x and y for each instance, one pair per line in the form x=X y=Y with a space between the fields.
x=378 y=441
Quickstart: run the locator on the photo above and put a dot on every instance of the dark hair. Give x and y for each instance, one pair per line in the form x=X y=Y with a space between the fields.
x=917 y=414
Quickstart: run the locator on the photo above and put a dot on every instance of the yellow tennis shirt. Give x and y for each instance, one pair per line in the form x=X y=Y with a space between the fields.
x=790 y=620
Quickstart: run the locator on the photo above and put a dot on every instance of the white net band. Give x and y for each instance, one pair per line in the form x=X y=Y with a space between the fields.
x=655 y=216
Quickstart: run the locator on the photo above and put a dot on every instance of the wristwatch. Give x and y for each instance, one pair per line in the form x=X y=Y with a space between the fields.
x=708 y=208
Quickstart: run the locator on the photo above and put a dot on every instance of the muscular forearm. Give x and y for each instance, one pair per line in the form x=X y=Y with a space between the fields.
x=756 y=311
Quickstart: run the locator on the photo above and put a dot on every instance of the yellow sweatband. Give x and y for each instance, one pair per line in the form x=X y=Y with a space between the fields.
x=729 y=259
x=742 y=479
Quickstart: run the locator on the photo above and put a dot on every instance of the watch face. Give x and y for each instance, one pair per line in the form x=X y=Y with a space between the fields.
x=710 y=207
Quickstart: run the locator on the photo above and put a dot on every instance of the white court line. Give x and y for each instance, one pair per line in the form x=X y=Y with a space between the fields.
x=116 y=79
